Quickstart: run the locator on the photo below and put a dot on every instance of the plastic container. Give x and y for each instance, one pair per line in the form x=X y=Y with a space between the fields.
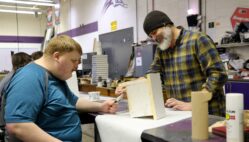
x=234 y=117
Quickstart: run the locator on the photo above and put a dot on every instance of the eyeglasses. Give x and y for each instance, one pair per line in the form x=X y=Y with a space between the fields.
x=153 y=33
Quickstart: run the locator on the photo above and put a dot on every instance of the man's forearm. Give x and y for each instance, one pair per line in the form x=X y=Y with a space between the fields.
x=216 y=81
x=29 y=132
x=87 y=106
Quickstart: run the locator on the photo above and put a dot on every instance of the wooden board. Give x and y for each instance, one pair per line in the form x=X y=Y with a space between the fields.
x=199 y=101
x=145 y=97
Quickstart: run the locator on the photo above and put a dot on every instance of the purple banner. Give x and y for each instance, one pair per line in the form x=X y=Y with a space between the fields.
x=21 y=39
x=85 y=29
x=89 y=28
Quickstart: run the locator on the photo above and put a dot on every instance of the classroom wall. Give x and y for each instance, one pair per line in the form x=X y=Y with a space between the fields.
x=19 y=32
x=27 y=24
x=126 y=13
x=76 y=16
x=220 y=12
x=82 y=13
x=217 y=11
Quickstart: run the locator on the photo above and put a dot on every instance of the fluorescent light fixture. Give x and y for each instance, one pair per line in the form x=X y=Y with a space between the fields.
x=19 y=11
x=19 y=7
x=28 y=2
x=49 y=1
x=190 y=11
x=57 y=6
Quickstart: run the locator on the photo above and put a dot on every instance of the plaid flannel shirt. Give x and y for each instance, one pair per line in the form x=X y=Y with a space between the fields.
x=193 y=63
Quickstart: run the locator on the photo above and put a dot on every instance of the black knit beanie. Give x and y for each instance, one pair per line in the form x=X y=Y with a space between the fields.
x=155 y=19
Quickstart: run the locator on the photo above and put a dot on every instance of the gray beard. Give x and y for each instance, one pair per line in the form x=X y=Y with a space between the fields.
x=164 y=44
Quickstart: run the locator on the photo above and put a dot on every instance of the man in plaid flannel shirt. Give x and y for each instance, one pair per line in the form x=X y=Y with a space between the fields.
x=188 y=61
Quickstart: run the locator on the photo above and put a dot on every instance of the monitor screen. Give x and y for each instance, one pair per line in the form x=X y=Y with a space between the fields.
x=118 y=46
x=87 y=63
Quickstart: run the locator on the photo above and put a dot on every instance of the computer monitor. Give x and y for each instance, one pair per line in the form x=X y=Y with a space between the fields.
x=87 y=63
x=144 y=55
x=118 y=46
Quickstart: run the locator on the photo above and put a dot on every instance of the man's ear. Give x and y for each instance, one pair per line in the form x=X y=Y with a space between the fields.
x=56 y=56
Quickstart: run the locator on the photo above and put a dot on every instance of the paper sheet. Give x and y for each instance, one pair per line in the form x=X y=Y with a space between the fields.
x=122 y=128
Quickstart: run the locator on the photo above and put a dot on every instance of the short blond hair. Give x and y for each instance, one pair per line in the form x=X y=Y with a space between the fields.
x=62 y=44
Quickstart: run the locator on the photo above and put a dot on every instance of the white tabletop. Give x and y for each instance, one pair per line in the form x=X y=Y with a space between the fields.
x=122 y=128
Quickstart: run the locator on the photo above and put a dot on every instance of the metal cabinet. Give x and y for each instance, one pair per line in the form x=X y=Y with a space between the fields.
x=239 y=87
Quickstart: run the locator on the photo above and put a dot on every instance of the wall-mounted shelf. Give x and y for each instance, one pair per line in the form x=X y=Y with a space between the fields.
x=232 y=45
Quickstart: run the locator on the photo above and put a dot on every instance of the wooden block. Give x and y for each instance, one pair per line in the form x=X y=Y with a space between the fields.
x=246 y=118
x=145 y=97
x=199 y=101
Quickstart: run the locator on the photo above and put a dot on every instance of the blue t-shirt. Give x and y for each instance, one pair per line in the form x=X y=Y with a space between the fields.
x=55 y=113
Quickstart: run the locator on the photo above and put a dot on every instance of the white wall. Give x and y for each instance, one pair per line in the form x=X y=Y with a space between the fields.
x=5 y=55
x=220 y=12
x=77 y=12
x=65 y=17
x=85 y=43
x=143 y=7
x=19 y=25
x=176 y=10
x=22 y=24
x=86 y=11
x=82 y=12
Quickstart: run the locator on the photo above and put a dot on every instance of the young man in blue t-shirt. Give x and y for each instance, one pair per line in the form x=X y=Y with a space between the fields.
x=38 y=114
